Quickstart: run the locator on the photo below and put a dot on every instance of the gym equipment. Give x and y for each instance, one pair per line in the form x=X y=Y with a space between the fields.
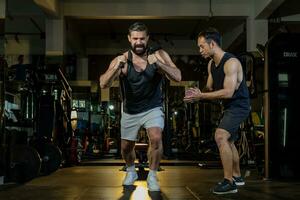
x=53 y=138
x=51 y=156
x=45 y=116
x=22 y=163
x=27 y=104
x=192 y=117
x=247 y=60
x=42 y=141
x=281 y=105
x=36 y=111
x=247 y=145
x=25 y=163
x=141 y=150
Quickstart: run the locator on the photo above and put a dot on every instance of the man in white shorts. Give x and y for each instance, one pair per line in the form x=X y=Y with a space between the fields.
x=140 y=71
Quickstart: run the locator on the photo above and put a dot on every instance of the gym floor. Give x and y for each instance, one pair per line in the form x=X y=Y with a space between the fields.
x=177 y=182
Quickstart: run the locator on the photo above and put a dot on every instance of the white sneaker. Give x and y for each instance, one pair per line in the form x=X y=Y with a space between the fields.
x=152 y=183
x=130 y=177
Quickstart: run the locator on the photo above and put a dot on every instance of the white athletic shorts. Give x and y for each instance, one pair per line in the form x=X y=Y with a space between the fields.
x=131 y=123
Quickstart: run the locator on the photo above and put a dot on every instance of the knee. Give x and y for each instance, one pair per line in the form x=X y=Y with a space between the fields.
x=126 y=148
x=155 y=143
x=220 y=138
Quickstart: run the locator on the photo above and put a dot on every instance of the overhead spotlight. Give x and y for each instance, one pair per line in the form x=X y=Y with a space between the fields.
x=44 y=92
x=111 y=107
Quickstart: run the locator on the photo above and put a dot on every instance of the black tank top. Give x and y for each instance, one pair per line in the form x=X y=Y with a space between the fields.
x=141 y=91
x=240 y=97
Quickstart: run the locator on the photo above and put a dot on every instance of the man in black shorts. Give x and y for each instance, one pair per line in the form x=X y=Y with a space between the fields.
x=226 y=82
x=141 y=71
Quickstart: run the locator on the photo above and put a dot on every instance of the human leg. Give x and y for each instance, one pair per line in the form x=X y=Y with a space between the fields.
x=127 y=150
x=226 y=154
x=154 y=123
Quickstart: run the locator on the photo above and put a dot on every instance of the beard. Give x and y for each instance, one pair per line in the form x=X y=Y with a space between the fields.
x=139 y=49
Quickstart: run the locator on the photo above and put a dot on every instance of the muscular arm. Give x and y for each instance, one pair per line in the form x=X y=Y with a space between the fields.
x=167 y=66
x=209 y=82
x=230 y=82
x=112 y=72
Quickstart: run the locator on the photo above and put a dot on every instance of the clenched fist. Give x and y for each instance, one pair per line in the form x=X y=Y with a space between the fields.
x=121 y=60
x=152 y=59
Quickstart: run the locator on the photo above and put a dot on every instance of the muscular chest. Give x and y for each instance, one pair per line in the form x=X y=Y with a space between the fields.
x=139 y=64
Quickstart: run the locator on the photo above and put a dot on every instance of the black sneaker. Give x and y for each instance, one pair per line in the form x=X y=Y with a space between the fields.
x=225 y=187
x=238 y=180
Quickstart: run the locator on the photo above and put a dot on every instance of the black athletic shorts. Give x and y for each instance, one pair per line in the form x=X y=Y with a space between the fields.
x=231 y=119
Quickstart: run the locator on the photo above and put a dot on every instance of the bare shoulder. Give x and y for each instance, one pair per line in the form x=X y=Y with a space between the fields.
x=163 y=56
x=232 y=65
x=162 y=53
x=115 y=58
x=126 y=54
x=232 y=62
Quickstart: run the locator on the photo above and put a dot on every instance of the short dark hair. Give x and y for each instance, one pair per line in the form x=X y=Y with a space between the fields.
x=138 y=26
x=211 y=34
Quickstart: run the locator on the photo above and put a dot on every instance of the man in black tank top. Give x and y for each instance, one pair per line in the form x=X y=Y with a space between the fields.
x=225 y=82
x=140 y=71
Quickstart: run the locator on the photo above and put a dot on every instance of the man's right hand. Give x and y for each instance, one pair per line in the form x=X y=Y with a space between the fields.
x=121 y=60
x=192 y=94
